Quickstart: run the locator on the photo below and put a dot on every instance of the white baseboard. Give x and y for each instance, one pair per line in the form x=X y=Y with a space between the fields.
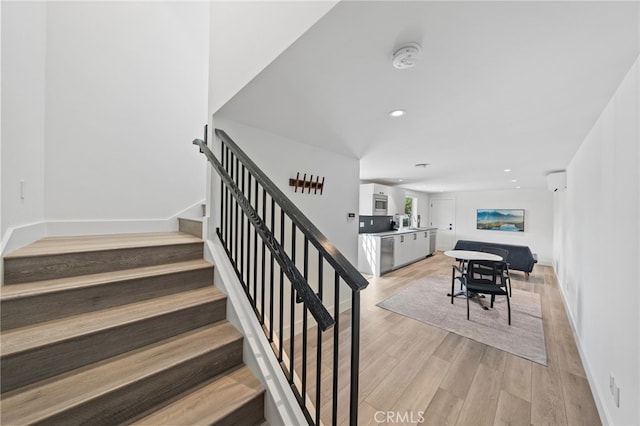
x=99 y=227
x=281 y=407
x=545 y=261
x=193 y=212
x=605 y=417
x=20 y=236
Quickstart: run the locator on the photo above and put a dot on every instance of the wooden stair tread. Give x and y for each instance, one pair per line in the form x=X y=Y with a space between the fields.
x=88 y=243
x=41 y=400
x=210 y=403
x=37 y=335
x=15 y=291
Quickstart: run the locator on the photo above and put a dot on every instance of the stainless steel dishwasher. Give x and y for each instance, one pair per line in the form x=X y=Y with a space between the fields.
x=386 y=254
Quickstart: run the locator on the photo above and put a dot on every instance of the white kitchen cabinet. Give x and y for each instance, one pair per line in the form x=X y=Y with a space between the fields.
x=424 y=237
x=409 y=247
x=400 y=244
x=366 y=200
x=395 y=199
x=367 y=190
x=376 y=254
x=418 y=246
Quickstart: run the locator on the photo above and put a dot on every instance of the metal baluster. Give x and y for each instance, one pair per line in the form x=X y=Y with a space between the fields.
x=235 y=219
x=355 y=358
x=262 y=271
x=255 y=251
x=232 y=208
x=336 y=343
x=241 y=265
x=222 y=218
x=248 y=265
x=319 y=344
x=305 y=274
x=281 y=331
x=292 y=322
x=227 y=208
x=273 y=212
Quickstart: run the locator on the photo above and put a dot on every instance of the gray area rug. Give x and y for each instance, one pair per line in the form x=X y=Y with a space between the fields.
x=427 y=301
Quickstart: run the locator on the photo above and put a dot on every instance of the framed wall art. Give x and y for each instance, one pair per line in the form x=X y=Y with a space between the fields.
x=500 y=219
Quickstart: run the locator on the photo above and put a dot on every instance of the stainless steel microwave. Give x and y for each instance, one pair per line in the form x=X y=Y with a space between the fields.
x=380 y=204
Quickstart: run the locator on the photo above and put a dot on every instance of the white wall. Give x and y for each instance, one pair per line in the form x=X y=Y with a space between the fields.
x=597 y=251
x=281 y=158
x=100 y=101
x=23 y=112
x=126 y=92
x=538 y=206
x=247 y=35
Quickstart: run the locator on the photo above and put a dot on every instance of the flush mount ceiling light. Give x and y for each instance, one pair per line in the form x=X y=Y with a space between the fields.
x=422 y=165
x=397 y=113
x=406 y=56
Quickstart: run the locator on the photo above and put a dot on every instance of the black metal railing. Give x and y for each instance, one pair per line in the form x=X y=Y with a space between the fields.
x=270 y=241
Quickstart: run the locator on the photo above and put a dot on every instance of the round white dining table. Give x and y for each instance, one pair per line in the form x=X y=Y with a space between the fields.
x=467 y=255
x=472 y=255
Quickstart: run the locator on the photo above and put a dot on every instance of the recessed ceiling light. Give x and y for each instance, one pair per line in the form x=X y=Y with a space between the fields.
x=514 y=180
x=397 y=113
x=507 y=170
x=400 y=180
x=517 y=187
x=423 y=165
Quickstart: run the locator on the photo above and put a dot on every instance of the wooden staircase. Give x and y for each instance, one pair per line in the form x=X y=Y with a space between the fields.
x=120 y=329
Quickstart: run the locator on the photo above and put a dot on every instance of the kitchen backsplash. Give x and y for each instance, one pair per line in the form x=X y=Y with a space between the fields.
x=370 y=224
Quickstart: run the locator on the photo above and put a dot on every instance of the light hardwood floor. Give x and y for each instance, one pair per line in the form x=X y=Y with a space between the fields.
x=420 y=371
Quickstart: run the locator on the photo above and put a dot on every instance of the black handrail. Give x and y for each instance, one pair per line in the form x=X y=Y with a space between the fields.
x=245 y=193
x=345 y=269
x=317 y=309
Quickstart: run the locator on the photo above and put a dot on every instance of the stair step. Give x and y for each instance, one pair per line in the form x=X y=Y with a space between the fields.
x=234 y=398
x=35 y=352
x=58 y=257
x=192 y=226
x=31 y=303
x=122 y=387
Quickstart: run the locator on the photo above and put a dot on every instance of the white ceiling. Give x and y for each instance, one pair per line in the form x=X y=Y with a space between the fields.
x=498 y=85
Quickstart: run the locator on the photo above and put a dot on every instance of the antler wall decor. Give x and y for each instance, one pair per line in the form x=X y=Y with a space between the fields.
x=303 y=183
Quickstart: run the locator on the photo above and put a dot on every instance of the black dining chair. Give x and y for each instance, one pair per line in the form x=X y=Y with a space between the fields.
x=460 y=270
x=487 y=267
x=476 y=283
